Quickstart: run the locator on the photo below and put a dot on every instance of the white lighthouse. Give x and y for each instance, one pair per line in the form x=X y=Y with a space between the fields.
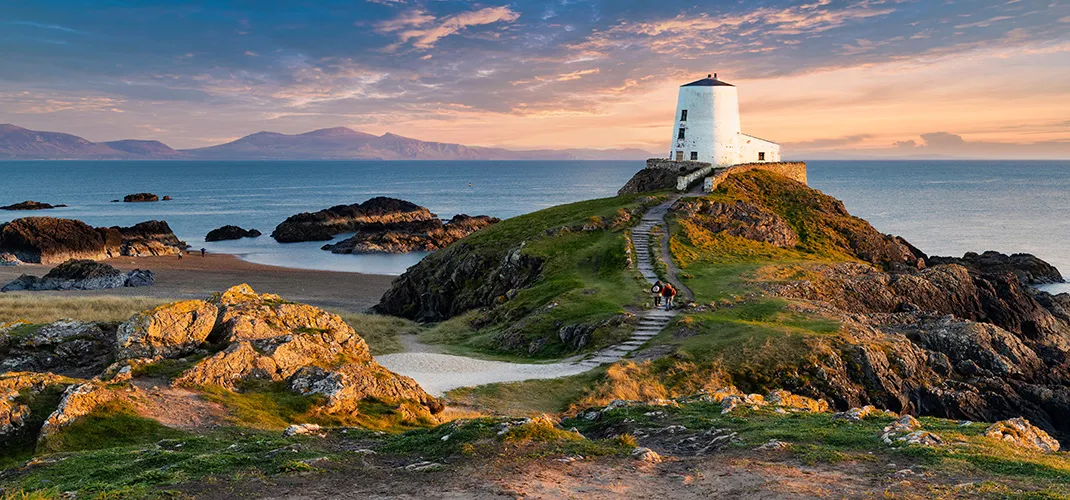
x=707 y=127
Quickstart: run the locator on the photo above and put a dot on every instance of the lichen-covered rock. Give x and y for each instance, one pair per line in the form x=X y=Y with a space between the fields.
x=169 y=330
x=1019 y=432
x=140 y=198
x=646 y=455
x=66 y=347
x=352 y=383
x=785 y=399
x=78 y=401
x=246 y=315
x=303 y=430
x=860 y=414
x=15 y=416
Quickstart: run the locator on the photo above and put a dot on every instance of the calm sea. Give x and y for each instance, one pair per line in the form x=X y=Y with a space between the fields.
x=943 y=207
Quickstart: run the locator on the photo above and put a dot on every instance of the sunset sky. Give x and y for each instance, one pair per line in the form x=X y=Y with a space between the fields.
x=825 y=78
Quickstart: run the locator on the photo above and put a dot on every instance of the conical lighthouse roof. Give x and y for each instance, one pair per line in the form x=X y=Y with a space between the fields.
x=709 y=81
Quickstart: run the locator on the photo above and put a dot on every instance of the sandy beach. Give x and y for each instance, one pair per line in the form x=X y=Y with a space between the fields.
x=197 y=277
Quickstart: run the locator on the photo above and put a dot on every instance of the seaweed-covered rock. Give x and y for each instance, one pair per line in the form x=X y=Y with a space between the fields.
x=171 y=330
x=230 y=233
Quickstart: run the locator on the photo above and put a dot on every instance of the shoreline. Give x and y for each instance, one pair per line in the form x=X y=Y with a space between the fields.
x=196 y=277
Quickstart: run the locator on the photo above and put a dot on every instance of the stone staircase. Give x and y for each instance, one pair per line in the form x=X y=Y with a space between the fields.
x=652 y=321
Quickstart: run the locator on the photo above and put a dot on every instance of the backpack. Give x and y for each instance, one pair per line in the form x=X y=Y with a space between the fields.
x=655 y=289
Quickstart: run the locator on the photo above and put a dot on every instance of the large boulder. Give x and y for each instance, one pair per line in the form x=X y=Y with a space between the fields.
x=81 y=275
x=169 y=331
x=230 y=233
x=266 y=338
x=66 y=347
x=48 y=240
x=325 y=224
x=402 y=237
x=1028 y=268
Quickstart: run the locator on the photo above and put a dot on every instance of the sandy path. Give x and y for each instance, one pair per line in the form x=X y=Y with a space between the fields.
x=438 y=373
x=194 y=277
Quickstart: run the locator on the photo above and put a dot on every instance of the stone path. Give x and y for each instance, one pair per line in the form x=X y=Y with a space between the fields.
x=653 y=321
x=438 y=372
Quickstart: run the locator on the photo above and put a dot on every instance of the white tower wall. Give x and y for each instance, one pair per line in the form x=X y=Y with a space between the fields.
x=711 y=130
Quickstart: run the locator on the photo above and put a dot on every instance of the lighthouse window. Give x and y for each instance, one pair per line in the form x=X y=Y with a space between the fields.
x=683 y=115
x=680 y=135
x=761 y=156
x=694 y=155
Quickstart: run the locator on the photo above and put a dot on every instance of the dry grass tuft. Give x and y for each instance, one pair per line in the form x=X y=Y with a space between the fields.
x=48 y=308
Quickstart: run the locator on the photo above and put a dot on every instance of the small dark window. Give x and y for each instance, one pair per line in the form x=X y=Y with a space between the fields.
x=679 y=155
x=681 y=134
x=761 y=156
x=694 y=155
x=683 y=115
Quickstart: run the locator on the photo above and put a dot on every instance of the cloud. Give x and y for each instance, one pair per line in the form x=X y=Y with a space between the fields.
x=425 y=30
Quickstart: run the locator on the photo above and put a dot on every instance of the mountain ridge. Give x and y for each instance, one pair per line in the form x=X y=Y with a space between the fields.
x=334 y=143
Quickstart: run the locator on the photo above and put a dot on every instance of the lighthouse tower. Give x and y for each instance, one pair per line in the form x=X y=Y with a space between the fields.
x=707 y=127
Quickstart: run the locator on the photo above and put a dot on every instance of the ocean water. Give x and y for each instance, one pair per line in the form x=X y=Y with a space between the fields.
x=942 y=207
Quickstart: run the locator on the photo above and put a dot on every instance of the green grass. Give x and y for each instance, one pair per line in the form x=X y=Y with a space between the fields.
x=380 y=332
x=529 y=397
x=584 y=279
x=20 y=447
x=112 y=424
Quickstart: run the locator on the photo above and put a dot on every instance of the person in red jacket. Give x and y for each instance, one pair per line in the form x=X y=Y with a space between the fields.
x=668 y=293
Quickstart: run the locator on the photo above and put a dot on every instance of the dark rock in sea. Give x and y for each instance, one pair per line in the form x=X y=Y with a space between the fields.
x=140 y=197
x=230 y=233
x=81 y=275
x=326 y=224
x=66 y=347
x=48 y=240
x=31 y=205
x=1028 y=268
x=166 y=198
x=401 y=237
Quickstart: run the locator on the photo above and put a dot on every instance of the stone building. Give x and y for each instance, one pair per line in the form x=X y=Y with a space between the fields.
x=707 y=128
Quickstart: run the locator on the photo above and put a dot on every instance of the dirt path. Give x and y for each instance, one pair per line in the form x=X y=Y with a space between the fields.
x=176 y=407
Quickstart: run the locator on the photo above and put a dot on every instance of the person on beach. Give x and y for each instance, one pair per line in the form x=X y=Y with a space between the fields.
x=656 y=290
x=667 y=293
x=203 y=251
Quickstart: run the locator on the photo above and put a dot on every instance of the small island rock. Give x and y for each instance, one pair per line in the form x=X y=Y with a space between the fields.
x=140 y=197
x=48 y=240
x=81 y=275
x=31 y=205
x=230 y=233
x=420 y=236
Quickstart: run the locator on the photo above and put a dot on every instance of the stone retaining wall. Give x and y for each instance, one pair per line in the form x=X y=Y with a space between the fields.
x=795 y=170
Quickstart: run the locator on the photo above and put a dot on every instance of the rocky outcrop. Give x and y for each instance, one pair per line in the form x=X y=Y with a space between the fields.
x=30 y=205
x=169 y=331
x=651 y=179
x=9 y=259
x=312 y=351
x=48 y=240
x=440 y=287
x=424 y=236
x=1028 y=268
x=230 y=233
x=739 y=219
x=140 y=198
x=1021 y=433
x=65 y=347
x=326 y=224
x=82 y=275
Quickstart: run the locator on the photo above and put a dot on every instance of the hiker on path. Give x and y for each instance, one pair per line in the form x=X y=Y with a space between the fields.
x=656 y=290
x=668 y=292
x=203 y=251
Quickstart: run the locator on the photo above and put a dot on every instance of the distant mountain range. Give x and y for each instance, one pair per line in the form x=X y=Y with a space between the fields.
x=339 y=143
